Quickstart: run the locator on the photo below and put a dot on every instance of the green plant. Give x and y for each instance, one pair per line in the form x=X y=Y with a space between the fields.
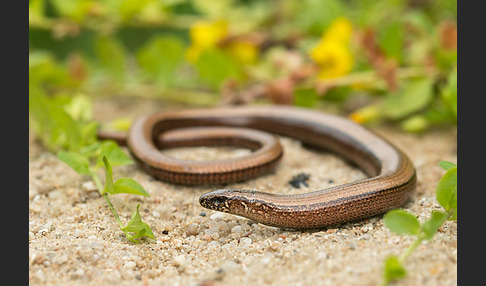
x=392 y=62
x=403 y=222
x=64 y=126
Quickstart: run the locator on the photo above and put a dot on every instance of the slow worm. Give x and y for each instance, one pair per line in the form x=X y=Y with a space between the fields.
x=390 y=184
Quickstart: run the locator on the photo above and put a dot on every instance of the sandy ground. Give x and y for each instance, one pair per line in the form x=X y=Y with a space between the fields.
x=74 y=239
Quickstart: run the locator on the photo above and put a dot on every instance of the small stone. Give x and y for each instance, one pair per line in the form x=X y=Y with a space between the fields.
x=40 y=275
x=55 y=195
x=229 y=266
x=211 y=231
x=217 y=216
x=178 y=261
x=322 y=256
x=130 y=265
x=236 y=229
x=60 y=259
x=245 y=241
x=32 y=193
x=89 y=186
x=77 y=274
x=43 y=231
x=265 y=260
x=193 y=229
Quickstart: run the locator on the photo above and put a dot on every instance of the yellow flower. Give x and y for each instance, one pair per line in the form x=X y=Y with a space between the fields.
x=205 y=35
x=243 y=52
x=334 y=59
x=339 y=30
x=332 y=52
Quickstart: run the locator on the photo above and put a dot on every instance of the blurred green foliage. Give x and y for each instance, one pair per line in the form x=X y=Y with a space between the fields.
x=403 y=54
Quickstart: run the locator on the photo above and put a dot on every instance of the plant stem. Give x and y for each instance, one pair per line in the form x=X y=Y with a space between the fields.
x=115 y=213
x=411 y=248
x=97 y=182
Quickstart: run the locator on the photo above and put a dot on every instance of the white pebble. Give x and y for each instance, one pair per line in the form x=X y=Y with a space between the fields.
x=265 y=260
x=88 y=186
x=129 y=265
x=40 y=275
x=245 y=241
x=211 y=231
x=236 y=229
x=322 y=256
x=229 y=265
x=56 y=195
x=43 y=231
x=179 y=260
x=217 y=216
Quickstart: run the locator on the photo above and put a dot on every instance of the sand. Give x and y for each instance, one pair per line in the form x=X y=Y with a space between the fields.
x=74 y=238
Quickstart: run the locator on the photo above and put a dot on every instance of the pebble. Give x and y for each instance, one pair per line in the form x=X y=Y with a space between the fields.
x=32 y=193
x=130 y=265
x=56 y=195
x=179 y=261
x=40 y=275
x=89 y=186
x=229 y=266
x=245 y=242
x=192 y=229
x=77 y=273
x=217 y=216
x=236 y=229
x=211 y=231
x=322 y=255
x=43 y=231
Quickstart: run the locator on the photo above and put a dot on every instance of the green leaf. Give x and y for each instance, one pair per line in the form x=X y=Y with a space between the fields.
x=446 y=165
x=65 y=129
x=390 y=39
x=128 y=186
x=108 y=177
x=435 y=221
x=75 y=10
x=56 y=129
x=161 y=57
x=114 y=154
x=90 y=150
x=394 y=269
x=402 y=222
x=446 y=191
x=415 y=96
x=111 y=56
x=77 y=162
x=214 y=67
x=39 y=112
x=80 y=108
x=305 y=97
x=415 y=124
x=315 y=16
x=88 y=132
x=137 y=226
